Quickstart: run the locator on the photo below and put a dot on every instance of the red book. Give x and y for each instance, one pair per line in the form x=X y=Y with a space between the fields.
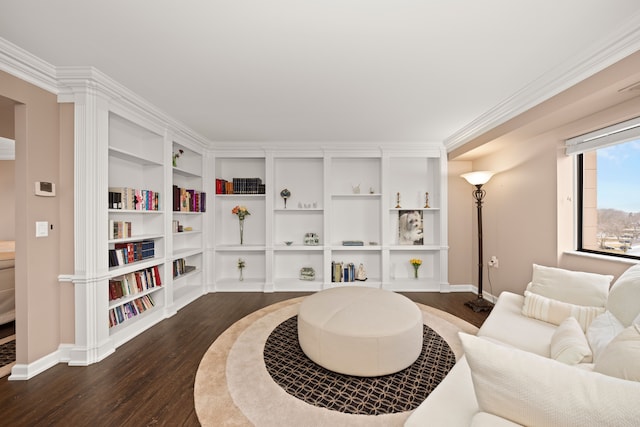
x=156 y=274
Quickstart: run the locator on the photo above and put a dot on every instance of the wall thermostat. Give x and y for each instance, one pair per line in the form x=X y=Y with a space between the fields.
x=46 y=189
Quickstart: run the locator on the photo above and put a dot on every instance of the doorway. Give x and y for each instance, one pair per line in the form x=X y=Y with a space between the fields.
x=7 y=237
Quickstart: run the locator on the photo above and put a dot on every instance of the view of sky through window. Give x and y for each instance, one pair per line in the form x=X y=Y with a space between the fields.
x=619 y=177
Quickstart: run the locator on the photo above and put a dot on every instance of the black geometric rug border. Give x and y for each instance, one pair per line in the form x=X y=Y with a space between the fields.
x=7 y=353
x=403 y=391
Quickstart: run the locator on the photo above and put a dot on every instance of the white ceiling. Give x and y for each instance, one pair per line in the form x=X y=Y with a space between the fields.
x=329 y=70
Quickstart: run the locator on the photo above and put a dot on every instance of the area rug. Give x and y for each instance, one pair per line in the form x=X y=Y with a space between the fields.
x=234 y=388
x=7 y=355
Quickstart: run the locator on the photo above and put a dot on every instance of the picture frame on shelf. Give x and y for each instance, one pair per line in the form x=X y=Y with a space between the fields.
x=410 y=227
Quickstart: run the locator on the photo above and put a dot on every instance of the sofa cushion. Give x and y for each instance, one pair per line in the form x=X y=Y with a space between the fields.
x=602 y=330
x=536 y=391
x=624 y=296
x=554 y=311
x=506 y=323
x=452 y=403
x=569 y=344
x=574 y=287
x=621 y=358
x=484 y=419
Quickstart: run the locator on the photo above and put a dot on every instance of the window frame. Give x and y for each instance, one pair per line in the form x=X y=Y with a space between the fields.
x=580 y=212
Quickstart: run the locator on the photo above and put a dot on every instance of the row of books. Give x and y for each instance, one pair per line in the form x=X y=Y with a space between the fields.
x=180 y=267
x=187 y=200
x=119 y=229
x=133 y=199
x=343 y=272
x=126 y=253
x=240 y=186
x=130 y=309
x=134 y=283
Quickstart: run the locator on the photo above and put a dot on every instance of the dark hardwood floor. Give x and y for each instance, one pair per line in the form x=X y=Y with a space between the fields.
x=149 y=380
x=8 y=329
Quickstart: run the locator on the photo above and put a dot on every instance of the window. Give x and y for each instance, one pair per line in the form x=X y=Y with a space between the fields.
x=609 y=190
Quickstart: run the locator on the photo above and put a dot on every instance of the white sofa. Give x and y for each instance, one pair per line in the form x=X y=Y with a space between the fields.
x=565 y=353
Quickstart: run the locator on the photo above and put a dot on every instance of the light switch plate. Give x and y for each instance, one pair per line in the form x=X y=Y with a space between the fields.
x=42 y=228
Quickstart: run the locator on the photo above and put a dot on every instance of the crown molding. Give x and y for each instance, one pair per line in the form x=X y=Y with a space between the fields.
x=28 y=67
x=66 y=82
x=73 y=80
x=607 y=52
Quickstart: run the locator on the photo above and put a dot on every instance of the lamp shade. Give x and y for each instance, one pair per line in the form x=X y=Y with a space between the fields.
x=477 y=178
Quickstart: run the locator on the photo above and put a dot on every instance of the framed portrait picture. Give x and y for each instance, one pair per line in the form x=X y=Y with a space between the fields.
x=410 y=229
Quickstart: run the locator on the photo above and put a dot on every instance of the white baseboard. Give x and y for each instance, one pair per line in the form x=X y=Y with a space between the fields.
x=21 y=372
x=473 y=289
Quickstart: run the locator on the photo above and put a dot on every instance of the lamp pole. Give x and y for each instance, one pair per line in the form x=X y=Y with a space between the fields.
x=478 y=179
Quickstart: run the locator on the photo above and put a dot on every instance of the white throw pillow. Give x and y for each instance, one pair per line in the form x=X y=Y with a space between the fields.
x=574 y=287
x=569 y=344
x=532 y=390
x=601 y=331
x=621 y=358
x=624 y=297
x=554 y=311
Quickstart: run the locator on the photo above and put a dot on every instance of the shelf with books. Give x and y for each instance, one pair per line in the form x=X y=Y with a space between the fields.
x=137 y=237
x=127 y=287
x=369 y=261
x=188 y=209
x=130 y=294
x=137 y=265
x=138 y=309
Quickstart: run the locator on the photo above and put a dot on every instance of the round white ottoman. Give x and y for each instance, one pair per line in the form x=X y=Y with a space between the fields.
x=360 y=331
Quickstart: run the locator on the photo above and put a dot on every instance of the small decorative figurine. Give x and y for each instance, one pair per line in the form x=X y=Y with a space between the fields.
x=356 y=189
x=241 y=265
x=311 y=239
x=426 y=200
x=285 y=194
x=307 y=273
x=361 y=274
x=398 y=201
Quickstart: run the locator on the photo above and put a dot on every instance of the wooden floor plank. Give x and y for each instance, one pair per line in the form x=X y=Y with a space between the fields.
x=149 y=380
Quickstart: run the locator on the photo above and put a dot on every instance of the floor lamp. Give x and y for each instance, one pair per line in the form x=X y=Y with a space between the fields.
x=478 y=179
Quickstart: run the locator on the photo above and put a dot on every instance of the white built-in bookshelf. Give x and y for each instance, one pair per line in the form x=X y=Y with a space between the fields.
x=124 y=240
x=136 y=190
x=124 y=144
x=189 y=201
x=338 y=195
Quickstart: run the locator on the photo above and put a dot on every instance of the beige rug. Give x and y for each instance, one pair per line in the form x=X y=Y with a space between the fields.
x=233 y=388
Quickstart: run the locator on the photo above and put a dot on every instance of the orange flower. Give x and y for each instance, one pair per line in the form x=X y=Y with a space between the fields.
x=241 y=211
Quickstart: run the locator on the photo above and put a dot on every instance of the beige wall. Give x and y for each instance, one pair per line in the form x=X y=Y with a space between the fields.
x=39 y=260
x=519 y=217
x=529 y=207
x=463 y=261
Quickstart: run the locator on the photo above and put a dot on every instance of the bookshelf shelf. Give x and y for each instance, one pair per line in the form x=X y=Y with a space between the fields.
x=117 y=153
x=129 y=298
